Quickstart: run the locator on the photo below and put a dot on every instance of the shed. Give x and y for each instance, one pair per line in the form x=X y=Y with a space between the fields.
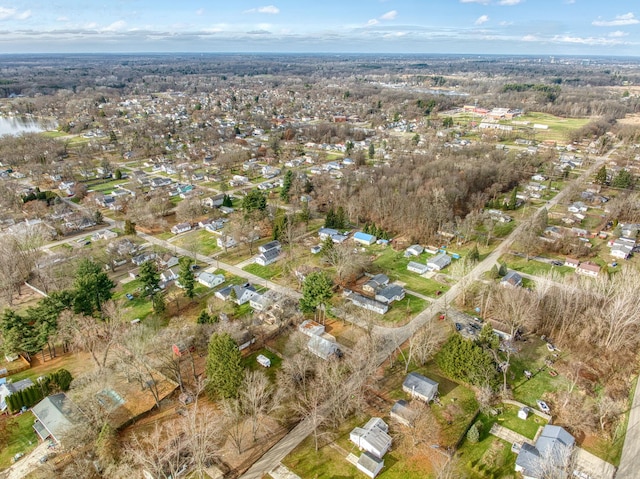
x=512 y=278
x=420 y=387
x=323 y=347
x=402 y=413
x=414 y=250
x=311 y=328
x=523 y=412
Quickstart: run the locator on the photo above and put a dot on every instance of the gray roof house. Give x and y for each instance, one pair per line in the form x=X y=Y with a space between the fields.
x=420 y=387
x=368 y=303
x=55 y=415
x=377 y=281
x=552 y=445
x=243 y=293
x=370 y=464
x=512 y=278
x=7 y=389
x=439 y=261
x=390 y=293
x=311 y=328
x=417 y=267
x=414 y=250
x=269 y=246
x=323 y=347
x=373 y=437
x=268 y=257
x=210 y=280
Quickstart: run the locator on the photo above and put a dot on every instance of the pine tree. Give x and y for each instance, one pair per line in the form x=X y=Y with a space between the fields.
x=601 y=176
x=129 y=227
x=341 y=218
x=286 y=186
x=473 y=434
x=513 y=201
x=503 y=269
x=227 y=201
x=186 y=277
x=330 y=220
x=372 y=151
x=204 y=317
x=316 y=289
x=474 y=254
x=149 y=277
x=224 y=367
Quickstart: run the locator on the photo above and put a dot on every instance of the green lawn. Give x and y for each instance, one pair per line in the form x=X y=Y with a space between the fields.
x=139 y=306
x=252 y=364
x=23 y=438
x=509 y=418
x=489 y=458
x=199 y=240
x=394 y=264
x=404 y=310
x=559 y=128
x=533 y=267
x=101 y=186
x=265 y=272
x=504 y=229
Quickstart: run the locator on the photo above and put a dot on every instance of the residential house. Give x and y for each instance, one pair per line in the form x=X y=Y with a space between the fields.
x=588 y=269
x=369 y=464
x=143 y=258
x=269 y=246
x=325 y=233
x=402 y=413
x=420 y=387
x=339 y=238
x=364 y=238
x=577 y=207
x=367 y=303
x=311 y=328
x=622 y=247
x=180 y=228
x=168 y=260
x=553 y=445
x=243 y=293
x=414 y=250
x=268 y=257
x=373 y=437
x=571 y=262
x=390 y=293
x=7 y=389
x=417 y=267
x=324 y=347
x=439 y=262
x=169 y=275
x=511 y=279
x=213 y=201
x=210 y=280
x=55 y=415
x=226 y=242
x=376 y=282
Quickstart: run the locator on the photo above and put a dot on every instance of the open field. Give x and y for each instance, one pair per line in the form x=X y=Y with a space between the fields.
x=22 y=439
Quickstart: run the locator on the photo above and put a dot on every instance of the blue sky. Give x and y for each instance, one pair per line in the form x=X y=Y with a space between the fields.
x=550 y=27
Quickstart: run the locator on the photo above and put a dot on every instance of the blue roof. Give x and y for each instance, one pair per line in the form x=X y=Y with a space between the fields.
x=364 y=236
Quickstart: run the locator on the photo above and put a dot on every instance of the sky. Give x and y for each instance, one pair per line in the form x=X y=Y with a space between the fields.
x=547 y=27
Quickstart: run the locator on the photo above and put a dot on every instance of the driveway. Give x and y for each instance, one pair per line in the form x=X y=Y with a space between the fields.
x=595 y=467
x=27 y=464
x=630 y=460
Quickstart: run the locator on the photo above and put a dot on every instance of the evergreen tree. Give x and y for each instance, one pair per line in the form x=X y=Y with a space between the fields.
x=473 y=434
x=149 y=277
x=341 y=218
x=494 y=273
x=186 y=277
x=502 y=271
x=224 y=367
x=305 y=214
x=372 y=151
x=158 y=303
x=513 y=200
x=286 y=186
x=601 y=176
x=467 y=361
x=280 y=226
x=330 y=220
x=622 y=180
x=474 y=254
x=91 y=288
x=327 y=246
x=129 y=227
x=118 y=174
x=205 y=318
x=316 y=289
x=227 y=201
x=255 y=200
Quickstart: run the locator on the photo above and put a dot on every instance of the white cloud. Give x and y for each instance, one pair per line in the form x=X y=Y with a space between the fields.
x=504 y=23
x=389 y=15
x=570 y=2
x=482 y=19
x=12 y=13
x=483 y=2
x=269 y=9
x=509 y=2
x=62 y=19
x=618 y=34
x=529 y=38
x=115 y=26
x=585 y=40
x=626 y=19
x=200 y=11
x=372 y=22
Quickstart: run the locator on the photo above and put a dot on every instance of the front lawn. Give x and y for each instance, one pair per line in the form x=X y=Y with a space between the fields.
x=404 y=310
x=266 y=272
x=23 y=438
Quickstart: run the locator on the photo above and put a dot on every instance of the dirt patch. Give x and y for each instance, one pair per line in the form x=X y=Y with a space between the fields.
x=632 y=119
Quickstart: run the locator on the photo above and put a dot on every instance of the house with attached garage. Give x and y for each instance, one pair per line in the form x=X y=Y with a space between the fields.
x=390 y=293
x=376 y=282
x=268 y=257
x=553 y=445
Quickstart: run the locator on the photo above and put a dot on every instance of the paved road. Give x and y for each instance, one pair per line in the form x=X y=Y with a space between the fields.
x=630 y=461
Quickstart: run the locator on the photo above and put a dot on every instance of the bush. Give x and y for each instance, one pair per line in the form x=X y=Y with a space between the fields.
x=473 y=435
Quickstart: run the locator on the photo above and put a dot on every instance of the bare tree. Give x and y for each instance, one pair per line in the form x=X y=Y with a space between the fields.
x=255 y=395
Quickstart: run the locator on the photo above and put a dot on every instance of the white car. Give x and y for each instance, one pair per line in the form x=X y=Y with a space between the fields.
x=543 y=406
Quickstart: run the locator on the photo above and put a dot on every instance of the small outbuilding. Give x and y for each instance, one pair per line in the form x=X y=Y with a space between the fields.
x=402 y=412
x=523 y=412
x=364 y=238
x=370 y=464
x=373 y=437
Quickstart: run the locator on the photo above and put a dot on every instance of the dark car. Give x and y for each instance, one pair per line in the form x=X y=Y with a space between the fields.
x=195 y=267
x=458 y=327
x=555 y=262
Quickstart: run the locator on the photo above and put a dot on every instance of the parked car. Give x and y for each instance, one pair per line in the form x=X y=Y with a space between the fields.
x=458 y=327
x=543 y=406
x=555 y=262
x=129 y=296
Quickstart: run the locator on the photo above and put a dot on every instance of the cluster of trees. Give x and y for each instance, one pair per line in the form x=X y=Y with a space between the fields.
x=372 y=229
x=59 y=380
x=336 y=218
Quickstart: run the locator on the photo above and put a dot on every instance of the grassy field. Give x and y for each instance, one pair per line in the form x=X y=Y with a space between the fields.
x=101 y=186
x=533 y=267
x=23 y=438
x=489 y=458
x=252 y=364
x=139 y=306
x=394 y=264
x=404 y=310
x=509 y=418
x=559 y=128
x=199 y=240
x=266 y=272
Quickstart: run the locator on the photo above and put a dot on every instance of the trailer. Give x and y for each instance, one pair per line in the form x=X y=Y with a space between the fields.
x=264 y=361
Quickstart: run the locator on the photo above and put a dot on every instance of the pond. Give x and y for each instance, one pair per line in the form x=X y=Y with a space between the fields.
x=16 y=125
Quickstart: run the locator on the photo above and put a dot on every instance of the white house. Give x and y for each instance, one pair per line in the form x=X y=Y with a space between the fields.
x=243 y=294
x=268 y=257
x=417 y=267
x=210 y=280
x=370 y=464
x=588 y=269
x=373 y=437
x=226 y=242
x=168 y=275
x=414 y=250
x=180 y=228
